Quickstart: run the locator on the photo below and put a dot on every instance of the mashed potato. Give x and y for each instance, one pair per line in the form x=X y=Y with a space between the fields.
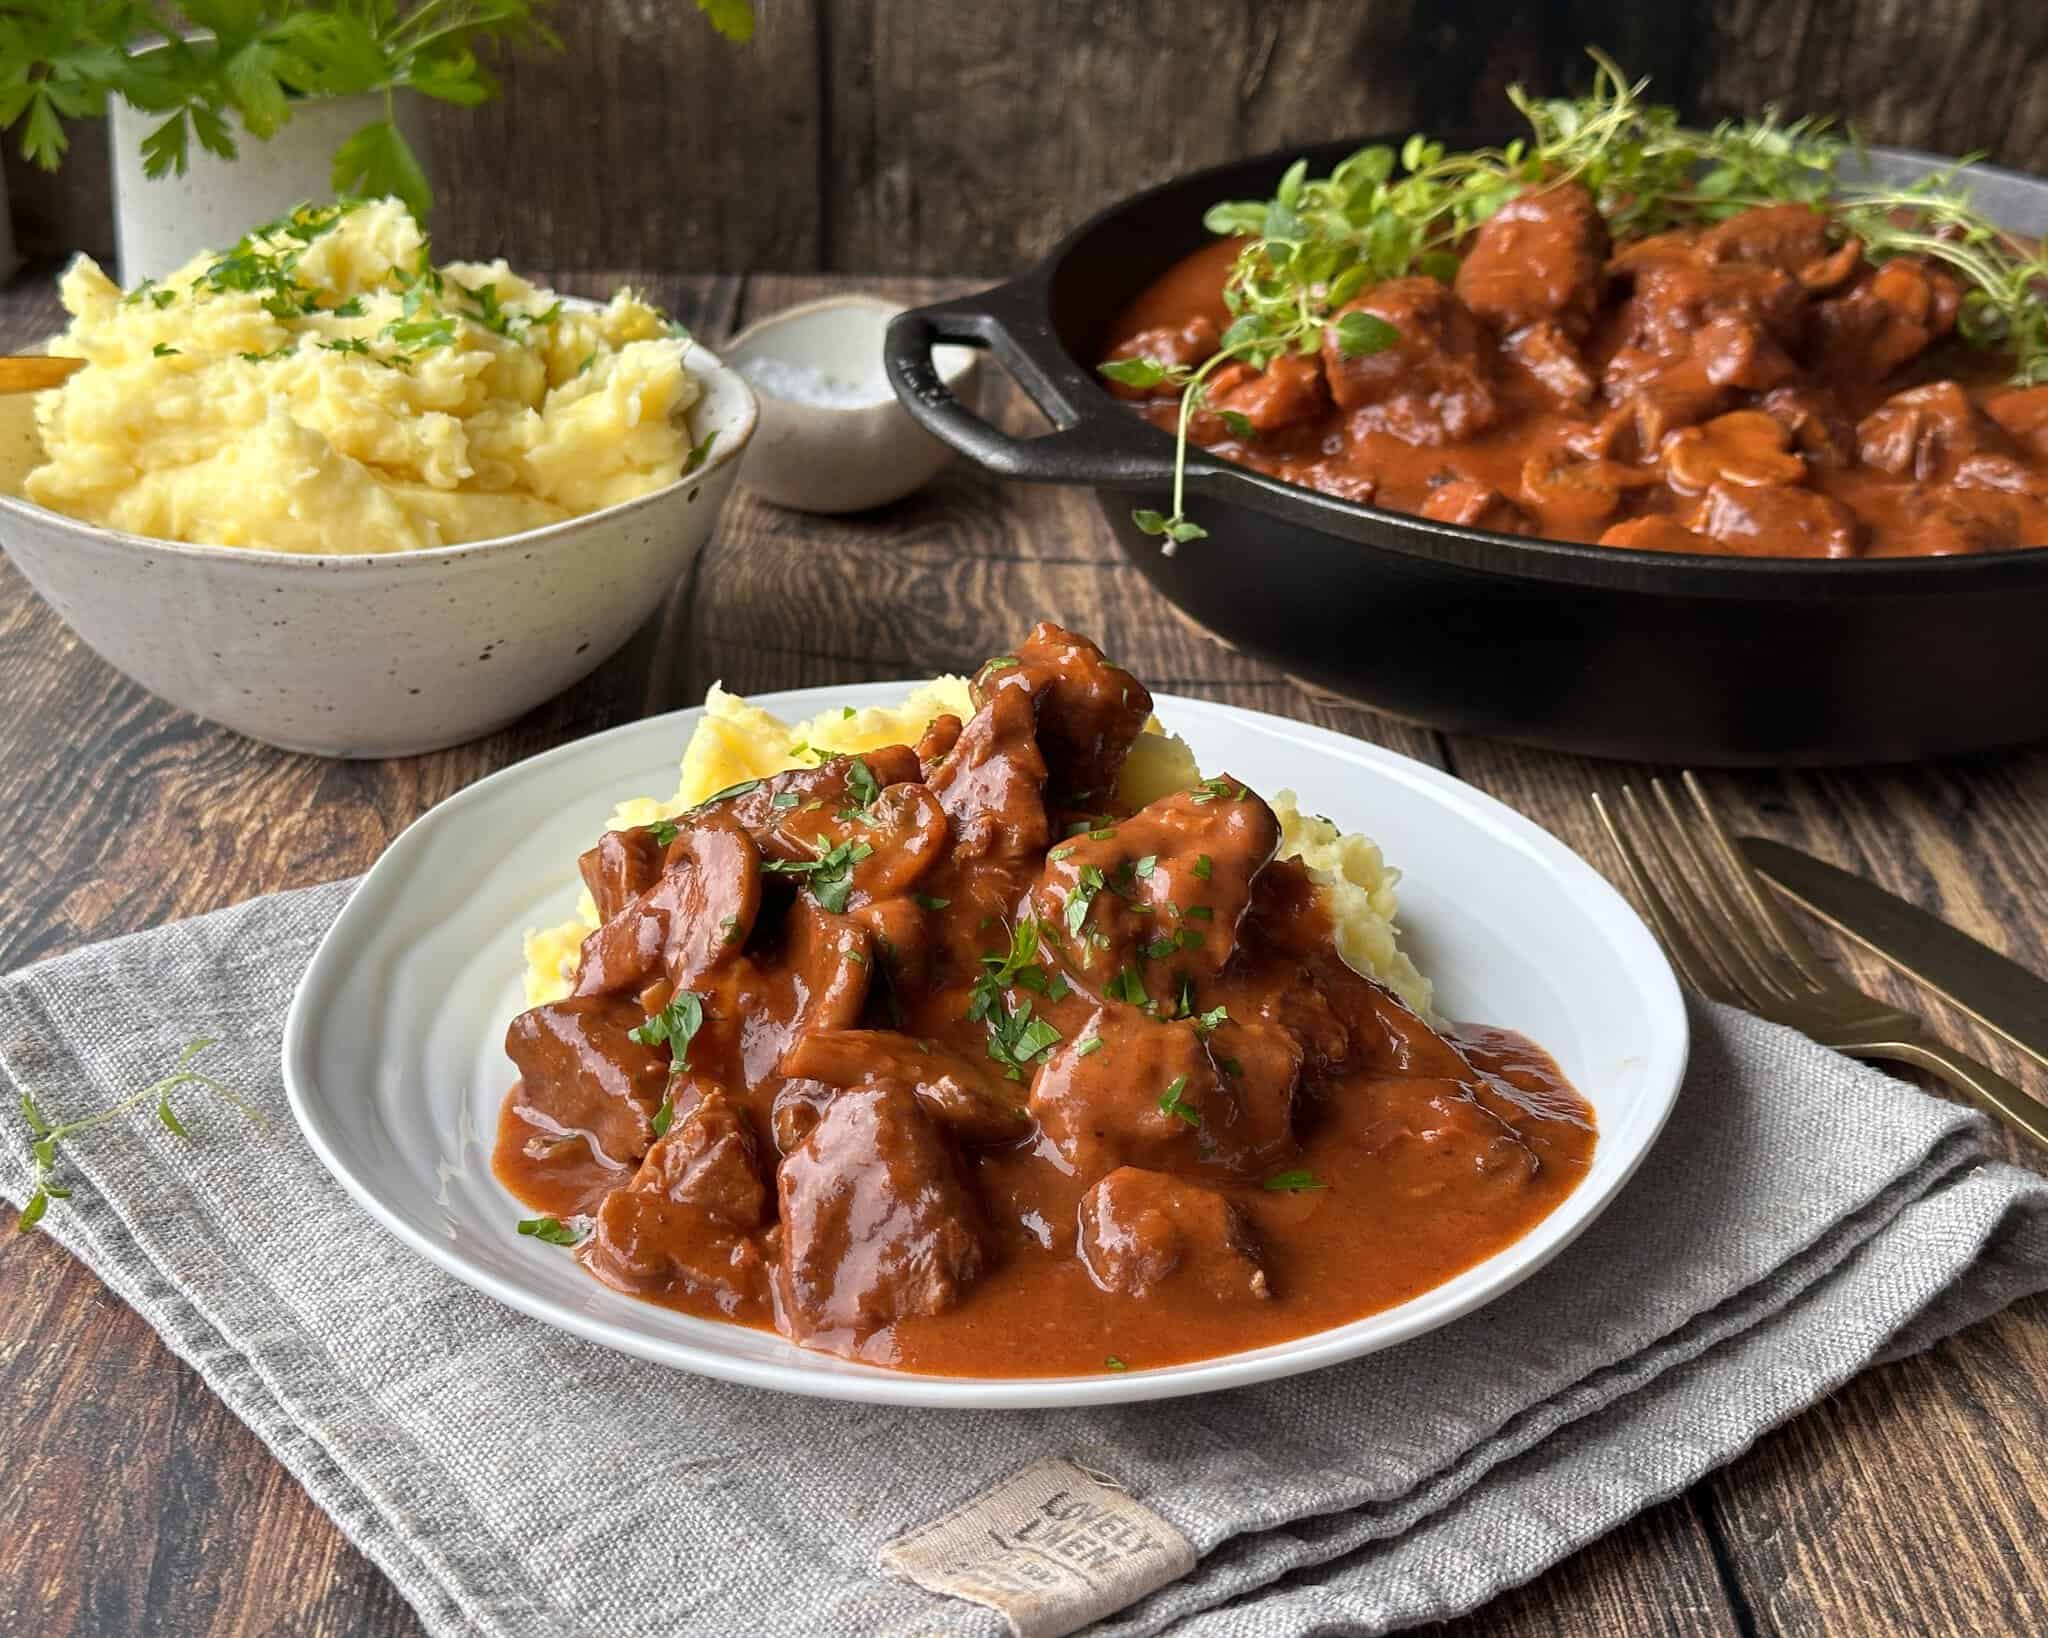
x=324 y=388
x=736 y=741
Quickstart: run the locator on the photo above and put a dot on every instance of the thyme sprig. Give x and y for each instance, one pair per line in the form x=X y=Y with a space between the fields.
x=47 y=1134
x=1383 y=213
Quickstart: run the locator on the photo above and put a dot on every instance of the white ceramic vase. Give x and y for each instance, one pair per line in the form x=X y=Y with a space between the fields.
x=161 y=224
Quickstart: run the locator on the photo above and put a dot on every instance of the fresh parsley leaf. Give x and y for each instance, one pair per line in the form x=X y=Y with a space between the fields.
x=665 y=1116
x=1172 y=1103
x=1298 y=1181
x=1080 y=896
x=925 y=901
x=1112 y=1363
x=551 y=1229
x=377 y=161
x=1137 y=372
x=1203 y=868
x=1088 y=1046
x=676 y=1025
x=1128 y=987
x=164 y=350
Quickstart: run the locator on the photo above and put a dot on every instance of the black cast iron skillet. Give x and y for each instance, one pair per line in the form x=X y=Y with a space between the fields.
x=1651 y=655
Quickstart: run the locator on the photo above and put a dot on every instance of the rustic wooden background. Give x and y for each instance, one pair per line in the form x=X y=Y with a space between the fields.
x=920 y=136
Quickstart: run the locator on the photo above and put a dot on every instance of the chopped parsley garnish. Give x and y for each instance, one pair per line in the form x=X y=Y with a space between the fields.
x=346 y=344
x=1206 y=1021
x=1210 y=789
x=731 y=926
x=1299 y=1181
x=856 y=958
x=1090 y=1044
x=551 y=1229
x=1128 y=986
x=1160 y=948
x=1102 y=834
x=846 y=713
x=925 y=901
x=1230 y=1066
x=700 y=452
x=1080 y=896
x=1144 y=867
x=164 y=349
x=830 y=874
x=1112 y=1363
x=1016 y=1038
x=1059 y=853
x=1203 y=868
x=676 y=1024
x=862 y=787
x=1199 y=912
x=784 y=800
x=264 y=358
x=588 y=360
x=1171 y=1103
x=743 y=788
x=664 y=831
x=1002 y=662
x=352 y=308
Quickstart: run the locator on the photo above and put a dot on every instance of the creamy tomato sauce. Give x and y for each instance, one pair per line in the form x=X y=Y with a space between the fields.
x=935 y=1059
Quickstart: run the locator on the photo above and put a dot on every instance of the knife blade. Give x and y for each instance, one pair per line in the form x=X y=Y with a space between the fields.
x=1993 y=989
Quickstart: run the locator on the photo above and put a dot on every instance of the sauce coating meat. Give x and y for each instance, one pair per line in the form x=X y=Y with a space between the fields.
x=938 y=1059
x=1752 y=388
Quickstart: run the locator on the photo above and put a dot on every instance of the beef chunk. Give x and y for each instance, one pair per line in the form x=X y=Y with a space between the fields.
x=1475 y=505
x=1885 y=318
x=623 y=865
x=1289 y=390
x=1186 y=344
x=1144 y=1233
x=991 y=785
x=1554 y=362
x=878 y=1224
x=1088 y=711
x=2023 y=413
x=1158 y=896
x=816 y=978
x=580 y=1071
x=1781 y=522
x=683 y=1229
x=1434 y=383
x=691 y=921
x=1539 y=257
x=1788 y=237
x=940 y=735
x=1820 y=429
x=971 y=1103
x=1924 y=432
x=1150 y=1095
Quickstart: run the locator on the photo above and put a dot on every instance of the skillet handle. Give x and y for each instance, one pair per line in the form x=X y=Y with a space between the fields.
x=1099 y=442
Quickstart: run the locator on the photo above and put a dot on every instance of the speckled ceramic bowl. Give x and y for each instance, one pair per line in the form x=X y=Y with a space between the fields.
x=378 y=655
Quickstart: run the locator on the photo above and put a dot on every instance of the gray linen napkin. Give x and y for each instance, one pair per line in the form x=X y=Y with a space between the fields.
x=1800 y=1219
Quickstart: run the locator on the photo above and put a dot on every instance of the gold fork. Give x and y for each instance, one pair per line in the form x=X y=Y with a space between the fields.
x=1729 y=940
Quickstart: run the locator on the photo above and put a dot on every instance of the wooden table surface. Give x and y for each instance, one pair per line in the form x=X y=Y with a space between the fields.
x=1916 y=1500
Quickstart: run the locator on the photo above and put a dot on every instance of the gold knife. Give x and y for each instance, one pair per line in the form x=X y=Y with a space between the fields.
x=1995 y=990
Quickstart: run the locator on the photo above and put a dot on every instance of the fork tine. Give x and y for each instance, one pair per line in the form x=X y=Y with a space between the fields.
x=1691 y=965
x=1768 y=973
x=1699 y=922
x=1792 y=943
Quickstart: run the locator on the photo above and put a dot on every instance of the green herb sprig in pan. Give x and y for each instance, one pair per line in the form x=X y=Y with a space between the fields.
x=1318 y=243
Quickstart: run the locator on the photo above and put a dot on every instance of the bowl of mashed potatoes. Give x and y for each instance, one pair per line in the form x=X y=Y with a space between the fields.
x=345 y=500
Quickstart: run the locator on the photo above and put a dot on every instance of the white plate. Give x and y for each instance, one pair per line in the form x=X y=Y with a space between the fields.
x=394 y=1051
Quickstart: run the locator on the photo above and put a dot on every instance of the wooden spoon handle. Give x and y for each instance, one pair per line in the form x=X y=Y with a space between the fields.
x=35 y=373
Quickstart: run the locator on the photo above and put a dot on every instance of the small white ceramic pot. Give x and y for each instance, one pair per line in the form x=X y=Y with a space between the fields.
x=856 y=451
x=159 y=225
x=372 y=656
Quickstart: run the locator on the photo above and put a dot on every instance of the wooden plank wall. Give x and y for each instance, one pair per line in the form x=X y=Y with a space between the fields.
x=941 y=136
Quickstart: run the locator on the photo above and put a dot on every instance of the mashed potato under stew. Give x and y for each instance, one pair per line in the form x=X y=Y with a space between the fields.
x=324 y=388
x=735 y=742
